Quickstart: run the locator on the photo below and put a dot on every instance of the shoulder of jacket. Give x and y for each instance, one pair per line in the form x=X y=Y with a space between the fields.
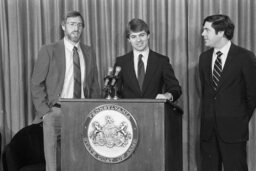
x=53 y=45
x=243 y=50
x=158 y=56
x=125 y=56
x=86 y=47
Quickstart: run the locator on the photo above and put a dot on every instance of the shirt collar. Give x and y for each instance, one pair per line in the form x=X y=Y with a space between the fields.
x=224 y=49
x=70 y=45
x=144 y=53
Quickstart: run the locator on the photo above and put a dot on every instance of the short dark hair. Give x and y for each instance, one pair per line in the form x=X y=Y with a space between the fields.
x=72 y=14
x=221 y=22
x=136 y=25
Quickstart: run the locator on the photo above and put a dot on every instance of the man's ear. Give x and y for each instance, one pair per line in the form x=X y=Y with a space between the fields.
x=63 y=27
x=221 y=33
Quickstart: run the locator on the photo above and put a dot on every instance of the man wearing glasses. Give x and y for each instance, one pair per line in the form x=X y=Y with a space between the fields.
x=64 y=69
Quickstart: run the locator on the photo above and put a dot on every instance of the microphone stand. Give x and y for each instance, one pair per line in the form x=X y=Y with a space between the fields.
x=108 y=88
x=115 y=90
x=108 y=92
x=111 y=84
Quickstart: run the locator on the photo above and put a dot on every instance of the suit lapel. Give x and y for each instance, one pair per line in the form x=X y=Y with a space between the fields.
x=209 y=66
x=86 y=65
x=59 y=53
x=227 y=65
x=130 y=68
x=151 y=66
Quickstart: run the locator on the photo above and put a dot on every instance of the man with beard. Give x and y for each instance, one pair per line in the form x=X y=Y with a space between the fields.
x=145 y=73
x=65 y=69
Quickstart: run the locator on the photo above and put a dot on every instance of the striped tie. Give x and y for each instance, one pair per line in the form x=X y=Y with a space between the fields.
x=141 y=71
x=217 y=69
x=77 y=74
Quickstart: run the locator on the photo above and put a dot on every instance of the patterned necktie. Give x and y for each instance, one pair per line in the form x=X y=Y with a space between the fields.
x=141 y=71
x=77 y=74
x=217 y=69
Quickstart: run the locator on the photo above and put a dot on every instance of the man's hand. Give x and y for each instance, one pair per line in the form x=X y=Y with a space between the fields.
x=167 y=96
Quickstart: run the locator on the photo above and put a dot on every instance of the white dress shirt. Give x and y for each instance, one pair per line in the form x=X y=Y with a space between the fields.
x=224 y=50
x=68 y=87
x=136 y=59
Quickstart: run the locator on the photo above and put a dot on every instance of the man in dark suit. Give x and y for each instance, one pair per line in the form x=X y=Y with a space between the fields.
x=228 y=82
x=65 y=69
x=145 y=73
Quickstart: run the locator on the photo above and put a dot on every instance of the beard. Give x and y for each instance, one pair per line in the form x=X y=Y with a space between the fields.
x=74 y=36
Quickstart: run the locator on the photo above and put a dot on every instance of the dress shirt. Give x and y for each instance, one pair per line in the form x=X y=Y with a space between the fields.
x=68 y=87
x=136 y=59
x=224 y=50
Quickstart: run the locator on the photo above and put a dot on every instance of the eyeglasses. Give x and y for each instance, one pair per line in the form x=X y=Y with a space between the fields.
x=73 y=24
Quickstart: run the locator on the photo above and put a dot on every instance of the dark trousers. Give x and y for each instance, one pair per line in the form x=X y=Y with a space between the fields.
x=216 y=153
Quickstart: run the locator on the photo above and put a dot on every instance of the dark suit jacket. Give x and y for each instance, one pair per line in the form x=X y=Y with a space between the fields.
x=230 y=108
x=49 y=73
x=159 y=75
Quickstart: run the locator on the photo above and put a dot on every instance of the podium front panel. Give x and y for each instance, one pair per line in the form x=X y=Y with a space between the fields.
x=153 y=138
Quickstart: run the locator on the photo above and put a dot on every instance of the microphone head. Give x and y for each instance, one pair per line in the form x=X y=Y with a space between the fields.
x=108 y=77
x=118 y=69
x=110 y=70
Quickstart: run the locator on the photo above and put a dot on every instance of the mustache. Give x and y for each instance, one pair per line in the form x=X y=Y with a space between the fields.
x=75 y=32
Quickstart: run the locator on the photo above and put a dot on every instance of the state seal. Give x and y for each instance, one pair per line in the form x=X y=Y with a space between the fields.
x=110 y=133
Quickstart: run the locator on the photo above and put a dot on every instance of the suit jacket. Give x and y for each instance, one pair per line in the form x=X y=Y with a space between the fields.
x=229 y=109
x=159 y=75
x=49 y=73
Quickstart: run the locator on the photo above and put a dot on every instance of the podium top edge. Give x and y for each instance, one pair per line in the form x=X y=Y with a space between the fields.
x=174 y=106
x=115 y=101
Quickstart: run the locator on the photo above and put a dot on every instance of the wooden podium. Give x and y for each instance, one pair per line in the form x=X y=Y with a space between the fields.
x=159 y=146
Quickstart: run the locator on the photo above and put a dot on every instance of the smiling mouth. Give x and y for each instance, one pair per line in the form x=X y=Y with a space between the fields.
x=139 y=45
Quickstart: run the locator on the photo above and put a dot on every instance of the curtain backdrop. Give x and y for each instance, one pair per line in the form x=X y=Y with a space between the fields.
x=175 y=25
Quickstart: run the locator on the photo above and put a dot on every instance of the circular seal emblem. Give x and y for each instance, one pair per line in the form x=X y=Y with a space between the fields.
x=110 y=133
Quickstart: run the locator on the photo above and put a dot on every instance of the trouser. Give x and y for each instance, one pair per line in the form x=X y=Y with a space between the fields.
x=217 y=153
x=52 y=132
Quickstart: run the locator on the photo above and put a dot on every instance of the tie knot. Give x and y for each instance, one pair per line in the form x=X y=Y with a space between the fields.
x=75 y=48
x=219 y=53
x=140 y=56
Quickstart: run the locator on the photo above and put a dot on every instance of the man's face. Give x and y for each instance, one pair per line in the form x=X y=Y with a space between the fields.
x=211 y=39
x=139 y=40
x=73 y=29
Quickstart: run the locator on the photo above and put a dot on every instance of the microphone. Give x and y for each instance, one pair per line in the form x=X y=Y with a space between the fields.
x=113 y=82
x=108 y=77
